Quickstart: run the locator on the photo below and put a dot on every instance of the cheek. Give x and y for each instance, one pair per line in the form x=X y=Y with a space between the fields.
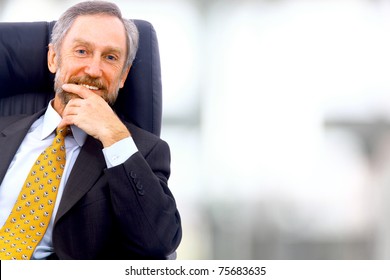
x=114 y=81
x=71 y=67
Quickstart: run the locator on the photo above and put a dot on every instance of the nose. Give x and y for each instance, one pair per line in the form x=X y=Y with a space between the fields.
x=93 y=69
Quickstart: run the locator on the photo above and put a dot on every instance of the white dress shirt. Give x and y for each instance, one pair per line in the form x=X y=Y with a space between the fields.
x=39 y=137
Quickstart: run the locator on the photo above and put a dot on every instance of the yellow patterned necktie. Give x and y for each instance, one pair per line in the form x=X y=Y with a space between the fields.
x=30 y=216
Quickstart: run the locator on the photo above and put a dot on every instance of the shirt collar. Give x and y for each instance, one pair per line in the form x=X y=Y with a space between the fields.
x=52 y=119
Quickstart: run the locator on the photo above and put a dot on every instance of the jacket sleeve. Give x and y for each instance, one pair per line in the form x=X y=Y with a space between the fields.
x=144 y=207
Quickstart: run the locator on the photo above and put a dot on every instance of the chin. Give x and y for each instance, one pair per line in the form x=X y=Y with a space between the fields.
x=65 y=97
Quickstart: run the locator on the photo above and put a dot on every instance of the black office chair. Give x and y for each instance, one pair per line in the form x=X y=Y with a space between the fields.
x=26 y=84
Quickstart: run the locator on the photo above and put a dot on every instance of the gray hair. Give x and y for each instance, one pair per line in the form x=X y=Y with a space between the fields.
x=65 y=22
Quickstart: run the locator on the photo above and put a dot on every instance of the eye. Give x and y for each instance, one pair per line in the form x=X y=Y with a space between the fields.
x=111 y=57
x=81 y=51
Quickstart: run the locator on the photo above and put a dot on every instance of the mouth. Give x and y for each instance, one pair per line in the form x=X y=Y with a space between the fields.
x=89 y=87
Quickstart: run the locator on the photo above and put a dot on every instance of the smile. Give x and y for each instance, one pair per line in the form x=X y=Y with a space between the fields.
x=89 y=87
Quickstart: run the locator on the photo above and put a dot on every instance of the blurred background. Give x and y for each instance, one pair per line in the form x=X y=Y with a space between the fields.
x=277 y=113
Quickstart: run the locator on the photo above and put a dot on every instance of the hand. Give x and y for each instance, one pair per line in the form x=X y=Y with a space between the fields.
x=92 y=114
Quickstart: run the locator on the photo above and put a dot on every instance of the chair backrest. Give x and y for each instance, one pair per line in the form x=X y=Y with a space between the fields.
x=26 y=84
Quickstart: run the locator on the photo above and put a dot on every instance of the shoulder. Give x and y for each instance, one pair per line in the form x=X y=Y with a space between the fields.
x=144 y=140
x=138 y=132
x=20 y=120
x=10 y=120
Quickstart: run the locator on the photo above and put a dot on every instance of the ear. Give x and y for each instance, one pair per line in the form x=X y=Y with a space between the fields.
x=52 y=59
x=124 y=77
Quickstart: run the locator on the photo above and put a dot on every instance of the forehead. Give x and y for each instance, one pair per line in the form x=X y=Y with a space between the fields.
x=99 y=30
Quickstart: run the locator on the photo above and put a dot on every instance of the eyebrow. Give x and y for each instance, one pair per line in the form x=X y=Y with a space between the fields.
x=89 y=44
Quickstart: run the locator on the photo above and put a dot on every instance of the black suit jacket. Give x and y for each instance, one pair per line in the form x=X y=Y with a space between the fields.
x=124 y=212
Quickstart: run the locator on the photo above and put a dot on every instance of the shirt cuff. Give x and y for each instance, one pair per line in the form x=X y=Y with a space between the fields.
x=119 y=152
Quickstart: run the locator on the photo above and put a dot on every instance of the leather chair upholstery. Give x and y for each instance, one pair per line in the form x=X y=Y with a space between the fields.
x=26 y=84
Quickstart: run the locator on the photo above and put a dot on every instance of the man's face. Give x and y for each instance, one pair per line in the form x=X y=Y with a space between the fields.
x=92 y=55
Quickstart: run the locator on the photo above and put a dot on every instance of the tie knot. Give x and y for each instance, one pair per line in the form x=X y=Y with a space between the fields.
x=63 y=131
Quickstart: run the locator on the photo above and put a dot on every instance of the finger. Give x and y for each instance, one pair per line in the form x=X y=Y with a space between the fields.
x=65 y=122
x=75 y=102
x=70 y=111
x=81 y=91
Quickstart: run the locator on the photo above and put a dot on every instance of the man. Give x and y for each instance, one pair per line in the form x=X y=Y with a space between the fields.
x=112 y=201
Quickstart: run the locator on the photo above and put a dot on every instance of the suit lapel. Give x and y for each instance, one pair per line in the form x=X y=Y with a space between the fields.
x=10 y=139
x=89 y=166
